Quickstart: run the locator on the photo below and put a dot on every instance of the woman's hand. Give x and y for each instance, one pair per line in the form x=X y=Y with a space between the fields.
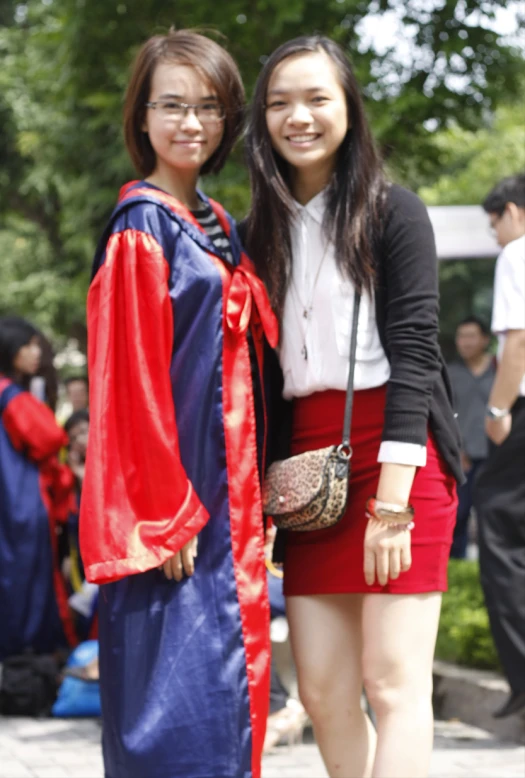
x=182 y=563
x=387 y=549
x=387 y=552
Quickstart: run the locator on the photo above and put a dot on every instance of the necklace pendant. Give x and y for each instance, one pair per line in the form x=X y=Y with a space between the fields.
x=304 y=352
x=306 y=313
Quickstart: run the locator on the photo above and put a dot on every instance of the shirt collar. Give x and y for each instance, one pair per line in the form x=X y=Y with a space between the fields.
x=314 y=207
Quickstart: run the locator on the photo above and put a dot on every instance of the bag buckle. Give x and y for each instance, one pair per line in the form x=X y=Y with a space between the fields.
x=345 y=451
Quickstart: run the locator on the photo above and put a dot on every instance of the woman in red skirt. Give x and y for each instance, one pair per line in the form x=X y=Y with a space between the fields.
x=363 y=597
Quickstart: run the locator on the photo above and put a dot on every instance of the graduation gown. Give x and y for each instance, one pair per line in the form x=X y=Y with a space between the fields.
x=174 y=450
x=34 y=495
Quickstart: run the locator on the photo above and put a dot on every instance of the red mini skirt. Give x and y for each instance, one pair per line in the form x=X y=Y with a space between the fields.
x=330 y=561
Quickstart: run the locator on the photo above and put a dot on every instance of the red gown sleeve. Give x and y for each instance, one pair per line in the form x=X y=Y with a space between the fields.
x=32 y=427
x=138 y=506
x=33 y=430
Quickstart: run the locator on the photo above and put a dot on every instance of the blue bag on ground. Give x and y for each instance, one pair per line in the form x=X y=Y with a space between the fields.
x=77 y=697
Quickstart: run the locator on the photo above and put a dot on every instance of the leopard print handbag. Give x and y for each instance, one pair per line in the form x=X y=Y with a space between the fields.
x=310 y=491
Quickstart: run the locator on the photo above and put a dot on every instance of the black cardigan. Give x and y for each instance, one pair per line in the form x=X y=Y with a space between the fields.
x=419 y=395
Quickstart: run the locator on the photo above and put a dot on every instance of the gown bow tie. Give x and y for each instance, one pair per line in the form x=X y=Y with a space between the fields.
x=247 y=295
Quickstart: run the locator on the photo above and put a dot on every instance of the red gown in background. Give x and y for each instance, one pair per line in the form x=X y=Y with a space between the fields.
x=35 y=493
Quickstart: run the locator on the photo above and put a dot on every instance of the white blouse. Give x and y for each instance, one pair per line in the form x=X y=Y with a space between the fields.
x=317 y=320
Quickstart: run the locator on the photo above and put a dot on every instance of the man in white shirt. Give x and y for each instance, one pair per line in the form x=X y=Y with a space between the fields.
x=500 y=488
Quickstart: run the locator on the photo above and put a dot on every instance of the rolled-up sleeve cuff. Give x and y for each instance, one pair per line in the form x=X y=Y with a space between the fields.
x=402 y=453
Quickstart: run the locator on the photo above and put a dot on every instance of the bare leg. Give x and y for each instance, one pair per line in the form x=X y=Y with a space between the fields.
x=326 y=642
x=399 y=635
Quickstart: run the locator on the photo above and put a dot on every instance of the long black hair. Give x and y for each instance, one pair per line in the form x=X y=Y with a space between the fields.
x=354 y=194
x=15 y=333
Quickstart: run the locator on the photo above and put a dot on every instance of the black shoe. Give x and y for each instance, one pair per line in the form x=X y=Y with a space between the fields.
x=514 y=704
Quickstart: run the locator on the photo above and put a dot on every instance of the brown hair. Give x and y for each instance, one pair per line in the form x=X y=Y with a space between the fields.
x=184 y=47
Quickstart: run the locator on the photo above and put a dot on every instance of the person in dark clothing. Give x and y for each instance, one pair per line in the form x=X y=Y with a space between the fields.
x=471 y=377
x=83 y=595
x=499 y=495
x=77 y=428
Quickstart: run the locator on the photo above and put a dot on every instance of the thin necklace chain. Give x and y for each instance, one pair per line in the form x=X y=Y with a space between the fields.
x=307 y=308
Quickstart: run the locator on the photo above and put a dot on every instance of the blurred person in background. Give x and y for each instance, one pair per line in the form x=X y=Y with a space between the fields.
x=499 y=492
x=44 y=383
x=83 y=595
x=34 y=490
x=471 y=377
x=77 y=392
x=77 y=429
x=75 y=397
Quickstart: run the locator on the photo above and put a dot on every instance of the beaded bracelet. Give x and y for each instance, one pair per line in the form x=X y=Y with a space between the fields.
x=390 y=524
x=390 y=513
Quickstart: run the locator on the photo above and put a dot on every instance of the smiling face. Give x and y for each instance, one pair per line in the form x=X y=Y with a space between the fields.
x=184 y=143
x=306 y=113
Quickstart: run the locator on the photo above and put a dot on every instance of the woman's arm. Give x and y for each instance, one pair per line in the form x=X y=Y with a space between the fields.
x=395 y=483
x=409 y=275
x=411 y=317
x=138 y=506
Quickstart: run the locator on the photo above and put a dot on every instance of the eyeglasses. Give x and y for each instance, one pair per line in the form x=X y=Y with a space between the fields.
x=172 y=110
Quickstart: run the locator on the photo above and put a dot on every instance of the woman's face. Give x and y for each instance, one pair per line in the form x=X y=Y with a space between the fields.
x=181 y=139
x=306 y=112
x=27 y=359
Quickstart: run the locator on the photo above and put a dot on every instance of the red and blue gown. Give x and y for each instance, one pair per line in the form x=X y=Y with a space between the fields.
x=34 y=494
x=176 y=442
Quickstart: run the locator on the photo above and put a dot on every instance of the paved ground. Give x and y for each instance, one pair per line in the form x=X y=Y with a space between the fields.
x=71 y=749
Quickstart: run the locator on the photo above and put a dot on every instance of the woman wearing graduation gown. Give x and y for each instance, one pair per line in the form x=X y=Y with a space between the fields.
x=34 y=494
x=171 y=518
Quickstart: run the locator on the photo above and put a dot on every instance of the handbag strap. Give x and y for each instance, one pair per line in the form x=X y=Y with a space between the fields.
x=350 y=388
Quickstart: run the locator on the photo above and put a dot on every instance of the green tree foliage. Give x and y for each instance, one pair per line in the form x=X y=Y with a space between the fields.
x=64 y=70
x=471 y=162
